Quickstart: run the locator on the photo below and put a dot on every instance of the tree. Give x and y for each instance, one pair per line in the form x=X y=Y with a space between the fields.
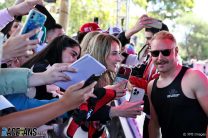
x=84 y=11
x=195 y=36
x=163 y=9
x=141 y=3
x=6 y=4
x=64 y=13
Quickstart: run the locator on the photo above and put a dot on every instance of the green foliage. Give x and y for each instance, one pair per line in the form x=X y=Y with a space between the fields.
x=84 y=11
x=171 y=8
x=141 y=3
x=6 y=4
x=163 y=9
x=195 y=42
x=196 y=32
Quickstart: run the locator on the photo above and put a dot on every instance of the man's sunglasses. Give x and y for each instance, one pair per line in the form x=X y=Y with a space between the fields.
x=165 y=52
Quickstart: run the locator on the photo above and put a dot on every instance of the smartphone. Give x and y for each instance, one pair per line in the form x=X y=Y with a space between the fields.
x=90 y=80
x=35 y=19
x=123 y=74
x=137 y=94
x=155 y=24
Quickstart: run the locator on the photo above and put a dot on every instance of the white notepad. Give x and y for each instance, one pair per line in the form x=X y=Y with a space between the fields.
x=86 y=66
x=4 y=103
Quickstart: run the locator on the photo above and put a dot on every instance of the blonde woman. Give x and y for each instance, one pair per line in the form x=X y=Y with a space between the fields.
x=85 y=44
x=106 y=49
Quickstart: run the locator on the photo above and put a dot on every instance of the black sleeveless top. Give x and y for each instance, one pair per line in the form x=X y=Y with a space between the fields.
x=178 y=115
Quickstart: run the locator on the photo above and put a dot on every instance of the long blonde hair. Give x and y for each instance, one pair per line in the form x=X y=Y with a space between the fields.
x=86 y=42
x=100 y=50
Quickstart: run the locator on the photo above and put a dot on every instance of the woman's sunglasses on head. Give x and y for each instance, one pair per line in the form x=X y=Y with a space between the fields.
x=165 y=52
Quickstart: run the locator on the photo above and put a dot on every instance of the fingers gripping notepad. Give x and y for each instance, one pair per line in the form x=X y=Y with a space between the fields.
x=86 y=66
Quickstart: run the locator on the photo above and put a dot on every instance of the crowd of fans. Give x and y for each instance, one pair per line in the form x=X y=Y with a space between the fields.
x=30 y=68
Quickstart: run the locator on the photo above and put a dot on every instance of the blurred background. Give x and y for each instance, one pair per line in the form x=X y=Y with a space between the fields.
x=186 y=19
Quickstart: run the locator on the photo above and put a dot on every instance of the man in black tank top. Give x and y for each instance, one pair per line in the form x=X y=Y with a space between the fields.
x=179 y=97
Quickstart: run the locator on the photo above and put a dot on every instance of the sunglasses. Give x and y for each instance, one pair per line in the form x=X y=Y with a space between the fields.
x=165 y=52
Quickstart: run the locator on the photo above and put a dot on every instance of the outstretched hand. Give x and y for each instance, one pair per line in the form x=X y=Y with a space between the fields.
x=56 y=73
x=52 y=74
x=76 y=95
x=127 y=109
x=24 y=7
x=141 y=23
x=19 y=45
x=119 y=88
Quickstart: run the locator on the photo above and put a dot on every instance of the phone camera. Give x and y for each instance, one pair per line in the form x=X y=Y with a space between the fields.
x=135 y=92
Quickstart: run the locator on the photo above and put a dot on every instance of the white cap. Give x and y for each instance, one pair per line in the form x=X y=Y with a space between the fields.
x=114 y=30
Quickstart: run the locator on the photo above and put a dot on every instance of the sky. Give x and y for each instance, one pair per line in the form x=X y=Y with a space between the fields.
x=1 y=1
x=201 y=9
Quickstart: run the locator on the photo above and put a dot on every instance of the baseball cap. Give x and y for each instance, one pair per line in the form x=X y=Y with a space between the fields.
x=114 y=30
x=89 y=27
